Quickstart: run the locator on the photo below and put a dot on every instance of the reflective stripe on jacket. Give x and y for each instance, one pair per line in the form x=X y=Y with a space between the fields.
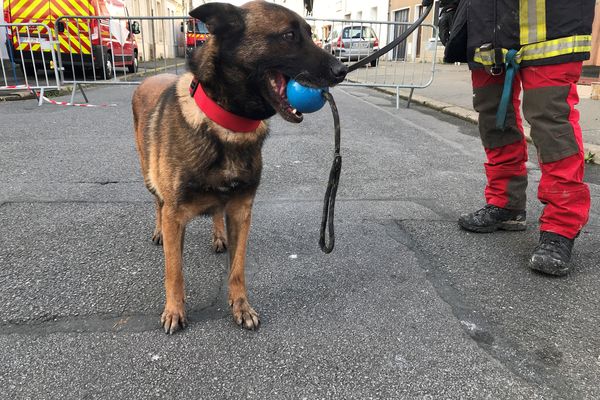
x=543 y=31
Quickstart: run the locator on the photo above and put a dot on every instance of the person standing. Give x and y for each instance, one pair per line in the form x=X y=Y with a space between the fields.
x=536 y=46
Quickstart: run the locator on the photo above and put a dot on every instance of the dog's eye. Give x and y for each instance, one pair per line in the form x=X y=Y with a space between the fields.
x=288 y=36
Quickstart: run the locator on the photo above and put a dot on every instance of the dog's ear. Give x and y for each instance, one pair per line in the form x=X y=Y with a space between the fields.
x=220 y=18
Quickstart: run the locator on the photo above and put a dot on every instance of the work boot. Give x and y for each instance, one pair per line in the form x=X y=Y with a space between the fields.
x=491 y=218
x=552 y=254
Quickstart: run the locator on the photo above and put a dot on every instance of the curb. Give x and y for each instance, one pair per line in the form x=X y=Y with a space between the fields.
x=16 y=96
x=471 y=116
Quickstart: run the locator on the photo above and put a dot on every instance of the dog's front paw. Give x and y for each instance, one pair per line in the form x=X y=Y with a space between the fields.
x=219 y=244
x=173 y=319
x=157 y=237
x=243 y=314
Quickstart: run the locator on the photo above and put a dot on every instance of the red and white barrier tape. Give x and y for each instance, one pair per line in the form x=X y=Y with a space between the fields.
x=15 y=87
x=66 y=103
x=58 y=103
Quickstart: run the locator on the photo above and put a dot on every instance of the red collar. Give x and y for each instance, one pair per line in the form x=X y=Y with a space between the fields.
x=218 y=114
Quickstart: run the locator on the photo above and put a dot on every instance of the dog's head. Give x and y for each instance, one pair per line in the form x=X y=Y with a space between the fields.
x=253 y=51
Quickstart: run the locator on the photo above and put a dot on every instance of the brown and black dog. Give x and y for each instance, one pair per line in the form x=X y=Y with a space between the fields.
x=195 y=161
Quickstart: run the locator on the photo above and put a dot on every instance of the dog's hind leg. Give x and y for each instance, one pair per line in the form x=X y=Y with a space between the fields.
x=219 y=241
x=157 y=235
x=239 y=214
x=173 y=231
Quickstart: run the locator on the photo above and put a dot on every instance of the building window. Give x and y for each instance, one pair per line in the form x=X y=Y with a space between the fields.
x=373 y=13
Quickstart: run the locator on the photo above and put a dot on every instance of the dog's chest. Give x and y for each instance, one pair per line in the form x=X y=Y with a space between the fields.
x=231 y=175
x=225 y=174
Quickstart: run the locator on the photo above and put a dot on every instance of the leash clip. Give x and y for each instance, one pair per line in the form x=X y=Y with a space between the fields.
x=496 y=70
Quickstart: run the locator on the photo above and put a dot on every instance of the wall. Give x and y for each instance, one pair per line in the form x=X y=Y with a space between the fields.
x=358 y=10
x=159 y=39
x=417 y=44
x=595 y=56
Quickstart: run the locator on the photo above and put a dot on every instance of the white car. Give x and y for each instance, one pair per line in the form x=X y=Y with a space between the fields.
x=352 y=43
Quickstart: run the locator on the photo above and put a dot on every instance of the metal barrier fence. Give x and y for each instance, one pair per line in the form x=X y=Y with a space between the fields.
x=409 y=65
x=110 y=50
x=99 y=50
x=31 y=58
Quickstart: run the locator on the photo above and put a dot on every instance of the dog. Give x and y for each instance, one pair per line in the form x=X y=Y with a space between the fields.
x=199 y=135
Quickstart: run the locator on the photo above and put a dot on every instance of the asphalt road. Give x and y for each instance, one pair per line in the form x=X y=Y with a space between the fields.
x=407 y=305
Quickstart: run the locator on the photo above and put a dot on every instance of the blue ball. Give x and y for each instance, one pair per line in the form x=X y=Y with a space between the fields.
x=305 y=99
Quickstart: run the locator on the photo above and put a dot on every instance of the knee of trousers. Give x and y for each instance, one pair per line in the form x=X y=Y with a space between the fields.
x=552 y=131
x=485 y=102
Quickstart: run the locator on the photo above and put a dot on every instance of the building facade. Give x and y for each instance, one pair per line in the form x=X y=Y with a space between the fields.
x=595 y=55
x=420 y=45
x=161 y=38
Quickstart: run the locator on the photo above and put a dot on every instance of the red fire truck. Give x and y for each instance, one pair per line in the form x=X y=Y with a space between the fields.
x=90 y=43
x=196 y=34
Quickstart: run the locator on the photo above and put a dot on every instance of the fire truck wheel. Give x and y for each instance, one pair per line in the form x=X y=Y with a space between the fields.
x=27 y=67
x=134 y=65
x=107 y=69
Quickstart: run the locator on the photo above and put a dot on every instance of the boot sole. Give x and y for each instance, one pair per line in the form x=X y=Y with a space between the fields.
x=541 y=265
x=505 y=226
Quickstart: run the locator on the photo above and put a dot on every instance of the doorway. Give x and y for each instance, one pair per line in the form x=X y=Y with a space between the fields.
x=399 y=53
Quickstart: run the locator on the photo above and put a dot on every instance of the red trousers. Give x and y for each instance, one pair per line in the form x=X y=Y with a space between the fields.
x=549 y=99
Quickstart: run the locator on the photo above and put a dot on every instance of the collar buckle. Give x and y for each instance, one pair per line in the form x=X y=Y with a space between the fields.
x=193 y=87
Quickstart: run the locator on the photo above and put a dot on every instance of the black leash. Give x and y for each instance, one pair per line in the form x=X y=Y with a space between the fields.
x=332 y=185
x=336 y=167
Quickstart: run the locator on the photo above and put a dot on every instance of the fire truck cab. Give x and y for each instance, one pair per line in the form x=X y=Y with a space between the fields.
x=88 y=42
x=196 y=34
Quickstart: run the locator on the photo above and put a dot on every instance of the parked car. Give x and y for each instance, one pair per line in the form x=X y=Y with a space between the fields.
x=352 y=43
x=89 y=43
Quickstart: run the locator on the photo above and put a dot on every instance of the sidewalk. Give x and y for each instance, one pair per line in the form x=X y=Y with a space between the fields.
x=451 y=93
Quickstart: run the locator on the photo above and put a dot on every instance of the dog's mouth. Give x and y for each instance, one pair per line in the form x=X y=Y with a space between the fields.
x=277 y=97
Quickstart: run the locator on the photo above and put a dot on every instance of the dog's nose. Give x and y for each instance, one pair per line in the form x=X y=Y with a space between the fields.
x=339 y=71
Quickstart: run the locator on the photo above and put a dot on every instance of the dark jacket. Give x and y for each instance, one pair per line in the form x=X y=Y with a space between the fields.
x=544 y=32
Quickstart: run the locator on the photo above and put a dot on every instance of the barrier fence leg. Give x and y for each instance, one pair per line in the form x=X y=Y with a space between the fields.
x=73 y=93
x=41 y=97
x=412 y=90
x=397 y=97
x=75 y=86
x=83 y=93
